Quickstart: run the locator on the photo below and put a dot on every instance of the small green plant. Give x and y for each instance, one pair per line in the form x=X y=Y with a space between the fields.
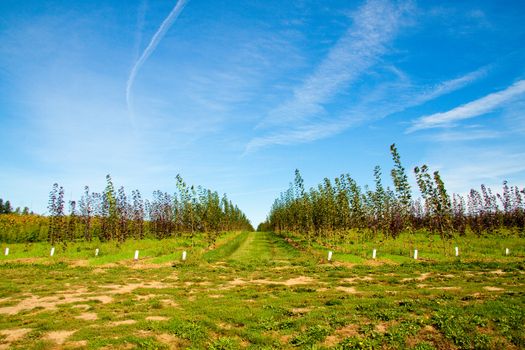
x=224 y=343
x=311 y=336
x=189 y=330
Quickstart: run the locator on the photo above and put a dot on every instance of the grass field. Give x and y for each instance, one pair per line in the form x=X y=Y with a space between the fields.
x=260 y=291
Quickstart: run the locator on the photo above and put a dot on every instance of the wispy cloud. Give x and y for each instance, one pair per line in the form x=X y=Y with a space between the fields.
x=155 y=40
x=375 y=24
x=385 y=99
x=301 y=134
x=466 y=135
x=305 y=117
x=449 y=86
x=468 y=167
x=472 y=109
x=141 y=15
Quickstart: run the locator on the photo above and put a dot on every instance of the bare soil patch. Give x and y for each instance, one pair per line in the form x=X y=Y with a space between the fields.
x=76 y=344
x=291 y=282
x=422 y=277
x=169 y=302
x=124 y=322
x=172 y=341
x=156 y=318
x=139 y=265
x=128 y=288
x=446 y=288
x=493 y=289
x=51 y=302
x=357 y=279
x=119 y=347
x=340 y=334
x=301 y=310
x=78 y=263
x=431 y=335
x=350 y=290
x=12 y=335
x=382 y=327
x=203 y=283
x=87 y=316
x=79 y=296
x=146 y=297
x=298 y=281
x=379 y=262
x=342 y=263
x=59 y=337
x=237 y=282
x=225 y=325
x=301 y=280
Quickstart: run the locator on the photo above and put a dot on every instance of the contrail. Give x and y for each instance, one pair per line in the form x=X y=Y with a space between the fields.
x=155 y=40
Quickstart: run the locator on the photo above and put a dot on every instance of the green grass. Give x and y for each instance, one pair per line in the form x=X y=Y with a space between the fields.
x=259 y=291
x=152 y=250
x=430 y=248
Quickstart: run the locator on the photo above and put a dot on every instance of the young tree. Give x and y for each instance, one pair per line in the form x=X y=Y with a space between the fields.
x=86 y=212
x=475 y=212
x=8 y=209
x=459 y=218
x=138 y=214
x=56 y=212
x=402 y=187
x=109 y=211
x=72 y=222
x=123 y=213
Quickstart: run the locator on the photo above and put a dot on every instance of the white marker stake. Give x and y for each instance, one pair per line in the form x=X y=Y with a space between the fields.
x=330 y=255
x=457 y=251
x=96 y=252
x=52 y=251
x=507 y=251
x=184 y=256
x=373 y=254
x=136 y=255
x=6 y=251
x=415 y=254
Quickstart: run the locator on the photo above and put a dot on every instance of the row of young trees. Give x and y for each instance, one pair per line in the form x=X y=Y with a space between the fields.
x=113 y=215
x=7 y=208
x=334 y=207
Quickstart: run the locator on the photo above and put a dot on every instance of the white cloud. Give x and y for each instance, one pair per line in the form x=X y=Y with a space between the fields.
x=466 y=135
x=301 y=134
x=472 y=109
x=385 y=99
x=303 y=118
x=468 y=167
x=375 y=24
x=449 y=86
x=155 y=40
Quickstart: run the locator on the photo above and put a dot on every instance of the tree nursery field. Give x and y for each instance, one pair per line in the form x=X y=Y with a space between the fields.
x=260 y=290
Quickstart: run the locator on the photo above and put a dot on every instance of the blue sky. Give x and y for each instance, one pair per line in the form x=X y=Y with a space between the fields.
x=234 y=95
